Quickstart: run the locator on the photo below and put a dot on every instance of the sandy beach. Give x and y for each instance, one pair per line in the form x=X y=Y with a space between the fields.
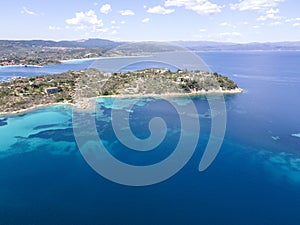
x=98 y=58
x=21 y=65
x=22 y=111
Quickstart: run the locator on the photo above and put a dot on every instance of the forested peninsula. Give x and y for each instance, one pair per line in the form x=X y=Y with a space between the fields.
x=74 y=87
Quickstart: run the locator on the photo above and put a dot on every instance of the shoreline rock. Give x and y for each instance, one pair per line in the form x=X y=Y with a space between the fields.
x=86 y=105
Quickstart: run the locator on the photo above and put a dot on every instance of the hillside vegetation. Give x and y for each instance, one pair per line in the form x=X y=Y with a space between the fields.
x=73 y=86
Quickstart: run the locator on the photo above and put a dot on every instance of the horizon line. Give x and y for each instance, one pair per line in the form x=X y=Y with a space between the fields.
x=137 y=41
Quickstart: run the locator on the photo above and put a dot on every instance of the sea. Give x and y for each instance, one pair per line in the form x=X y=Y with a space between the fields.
x=254 y=179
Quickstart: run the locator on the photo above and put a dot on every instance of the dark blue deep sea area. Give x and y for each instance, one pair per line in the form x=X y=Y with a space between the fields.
x=254 y=180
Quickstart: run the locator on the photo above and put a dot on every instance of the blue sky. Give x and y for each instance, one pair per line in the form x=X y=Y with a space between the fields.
x=159 y=20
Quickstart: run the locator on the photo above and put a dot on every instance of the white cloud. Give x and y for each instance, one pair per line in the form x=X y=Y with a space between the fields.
x=160 y=10
x=261 y=18
x=270 y=14
x=114 y=32
x=202 y=30
x=225 y=24
x=115 y=27
x=86 y=20
x=272 y=11
x=113 y=22
x=296 y=24
x=106 y=8
x=127 y=12
x=256 y=27
x=266 y=17
x=199 y=6
x=258 y=5
x=292 y=20
x=275 y=23
x=29 y=12
x=146 y=20
x=122 y=22
x=231 y=34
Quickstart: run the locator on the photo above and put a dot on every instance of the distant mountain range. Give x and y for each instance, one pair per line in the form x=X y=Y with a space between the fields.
x=191 y=45
x=90 y=43
x=227 y=46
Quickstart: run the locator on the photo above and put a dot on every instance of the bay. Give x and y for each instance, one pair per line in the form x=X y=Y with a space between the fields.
x=255 y=178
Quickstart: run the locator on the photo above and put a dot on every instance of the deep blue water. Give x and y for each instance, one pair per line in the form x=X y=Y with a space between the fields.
x=255 y=178
x=6 y=73
x=9 y=72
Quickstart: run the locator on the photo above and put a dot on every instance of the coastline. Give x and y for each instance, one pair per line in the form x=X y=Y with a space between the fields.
x=199 y=93
x=33 y=108
x=20 y=65
x=102 y=57
x=78 y=60
x=72 y=61
x=85 y=106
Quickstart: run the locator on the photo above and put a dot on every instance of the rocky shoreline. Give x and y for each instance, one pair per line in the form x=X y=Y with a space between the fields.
x=86 y=104
x=77 y=88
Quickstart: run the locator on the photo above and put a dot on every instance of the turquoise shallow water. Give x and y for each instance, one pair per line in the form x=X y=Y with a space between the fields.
x=255 y=178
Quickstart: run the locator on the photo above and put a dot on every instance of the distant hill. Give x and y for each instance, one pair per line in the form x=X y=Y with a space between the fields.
x=138 y=47
x=227 y=46
x=142 y=48
x=89 y=43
